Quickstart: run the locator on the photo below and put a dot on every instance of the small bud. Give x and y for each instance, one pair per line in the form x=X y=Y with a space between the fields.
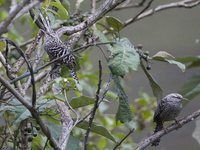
x=148 y=67
x=30 y=139
x=37 y=128
x=139 y=46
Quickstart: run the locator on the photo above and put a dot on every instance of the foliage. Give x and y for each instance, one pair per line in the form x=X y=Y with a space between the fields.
x=121 y=57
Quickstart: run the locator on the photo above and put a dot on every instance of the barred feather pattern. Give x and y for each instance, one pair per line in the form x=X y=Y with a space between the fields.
x=56 y=49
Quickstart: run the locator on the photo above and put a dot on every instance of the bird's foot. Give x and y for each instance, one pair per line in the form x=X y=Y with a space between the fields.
x=178 y=123
x=165 y=130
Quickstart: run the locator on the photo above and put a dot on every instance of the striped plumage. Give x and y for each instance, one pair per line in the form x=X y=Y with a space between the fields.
x=56 y=49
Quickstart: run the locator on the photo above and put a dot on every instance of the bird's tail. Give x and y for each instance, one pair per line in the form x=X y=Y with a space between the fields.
x=73 y=75
x=159 y=126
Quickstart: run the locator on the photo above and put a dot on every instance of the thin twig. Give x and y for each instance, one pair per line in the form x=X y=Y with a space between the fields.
x=34 y=42
x=45 y=145
x=131 y=5
x=27 y=84
x=94 y=108
x=26 y=9
x=179 y=4
x=147 y=141
x=8 y=68
x=142 y=11
x=122 y=140
x=4 y=25
x=93 y=6
x=101 y=100
x=29 y=68
x=107 y=6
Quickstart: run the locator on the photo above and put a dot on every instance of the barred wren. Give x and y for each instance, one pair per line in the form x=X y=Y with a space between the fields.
x=167 y=110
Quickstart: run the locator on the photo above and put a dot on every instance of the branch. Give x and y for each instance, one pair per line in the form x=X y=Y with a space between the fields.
x=180 y=4
x=143 y=10
x=126 y=136
x=130 y=4
x=34 y=42
x=147 y=141
x=28 y=66
x=26 y=9
x=4 y=25
x=94 y=108
x=107 y=6
x=101 y=100
x=33 y=112
x=67 y=124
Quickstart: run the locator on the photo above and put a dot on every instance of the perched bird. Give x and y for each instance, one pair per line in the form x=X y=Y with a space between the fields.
x=55 y=48
x=167 y=110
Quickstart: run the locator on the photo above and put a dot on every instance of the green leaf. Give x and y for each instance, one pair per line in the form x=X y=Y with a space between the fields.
x=23 y=114
x=157 y=91
x=62 y=12
x=161 y=55
x=166 y=57
x=191 y=88
x=102 y=38
x=39 y=142
x=81 y=101
x=2 y=46
x=97 y=129
x=77 y=101
x=123 y=57
x=52 y=120
x=18 y=113
x=60 y=97
x=123 y=112
x=115 y=23
x=179 y=64
x=73 y=143
x=191 y=61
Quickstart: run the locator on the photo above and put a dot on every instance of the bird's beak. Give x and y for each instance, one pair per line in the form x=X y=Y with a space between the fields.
x=185 y=99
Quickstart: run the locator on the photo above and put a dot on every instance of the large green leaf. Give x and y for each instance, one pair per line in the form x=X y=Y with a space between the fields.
x=73 y=143
x=191 y=61
x=157 y=91
x=115 y=23
x=97 y=129
x=23 y=114
x=166 y=57
x=123 y=112
x=77 y=101
x=123 y=57
x=15 y=110
x=192 y=87
x=81 y=101
x=62 y=12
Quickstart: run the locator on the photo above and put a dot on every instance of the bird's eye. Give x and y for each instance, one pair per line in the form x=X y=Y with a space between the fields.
x=177 y=96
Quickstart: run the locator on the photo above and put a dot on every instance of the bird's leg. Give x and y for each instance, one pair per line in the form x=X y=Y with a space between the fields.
x=178 y=123
x=165 y=130
x=55 y=73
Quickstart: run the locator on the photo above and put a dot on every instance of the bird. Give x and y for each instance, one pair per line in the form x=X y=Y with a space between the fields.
x=55 y=48
x=168 y=109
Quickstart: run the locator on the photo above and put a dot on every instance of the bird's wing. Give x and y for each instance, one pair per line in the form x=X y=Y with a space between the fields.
x=159 y=110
